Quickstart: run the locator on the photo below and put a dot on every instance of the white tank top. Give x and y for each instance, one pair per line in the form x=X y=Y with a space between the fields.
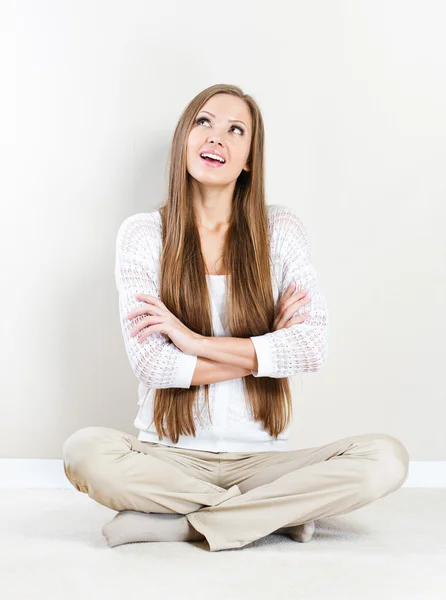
x=217 y=289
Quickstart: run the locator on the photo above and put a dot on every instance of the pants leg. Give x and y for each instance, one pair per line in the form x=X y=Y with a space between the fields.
x=281 y=489
x=121 y=472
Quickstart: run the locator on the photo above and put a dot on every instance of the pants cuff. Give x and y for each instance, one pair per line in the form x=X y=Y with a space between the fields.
x=194 y=518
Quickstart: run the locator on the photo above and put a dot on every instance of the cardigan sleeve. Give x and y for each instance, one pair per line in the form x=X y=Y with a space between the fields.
x=302 y=347
x=156 y=362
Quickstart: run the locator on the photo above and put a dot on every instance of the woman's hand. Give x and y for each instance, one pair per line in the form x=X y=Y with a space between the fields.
x=288 y=304
x=161 y=320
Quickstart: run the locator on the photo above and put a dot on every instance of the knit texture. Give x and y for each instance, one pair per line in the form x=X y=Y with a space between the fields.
x=158 y=363
x=302 y=347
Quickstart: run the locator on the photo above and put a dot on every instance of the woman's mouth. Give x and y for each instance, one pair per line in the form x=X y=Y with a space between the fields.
x=210 y=162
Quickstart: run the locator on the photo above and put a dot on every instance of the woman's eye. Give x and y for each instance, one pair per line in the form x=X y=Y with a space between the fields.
x=239 y=128
x=198 y=121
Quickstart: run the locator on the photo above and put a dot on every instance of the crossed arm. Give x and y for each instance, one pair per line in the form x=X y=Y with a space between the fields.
x=224 y=358
x=158 y=363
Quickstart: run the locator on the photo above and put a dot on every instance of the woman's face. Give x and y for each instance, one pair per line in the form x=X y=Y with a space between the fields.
x=227 y=132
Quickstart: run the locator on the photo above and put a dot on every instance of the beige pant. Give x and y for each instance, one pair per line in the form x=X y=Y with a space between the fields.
x=234 y=498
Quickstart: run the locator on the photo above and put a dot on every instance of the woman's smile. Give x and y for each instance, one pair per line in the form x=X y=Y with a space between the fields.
x=212 y=163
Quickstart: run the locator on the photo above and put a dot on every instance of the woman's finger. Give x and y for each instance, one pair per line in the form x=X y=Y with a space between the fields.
x=152 y=320
x=143 y=310
x=150 y=299
x=294 y=306
x=294 y=321
x=297 y=320
x=283 y=312
x=288 y=292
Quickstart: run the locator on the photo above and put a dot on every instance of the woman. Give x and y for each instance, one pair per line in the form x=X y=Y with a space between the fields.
x=219 y=305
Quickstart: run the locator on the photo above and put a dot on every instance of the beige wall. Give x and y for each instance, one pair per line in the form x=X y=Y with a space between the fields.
x=353 y=96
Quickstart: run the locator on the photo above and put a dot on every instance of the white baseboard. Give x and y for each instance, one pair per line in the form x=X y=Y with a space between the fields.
x=49 y=473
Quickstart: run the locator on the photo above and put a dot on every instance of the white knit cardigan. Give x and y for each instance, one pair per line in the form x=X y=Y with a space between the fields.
x=158 y=363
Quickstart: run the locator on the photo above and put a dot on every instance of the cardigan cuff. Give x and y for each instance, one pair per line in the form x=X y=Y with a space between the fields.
x=264 y=355
x=185 y=370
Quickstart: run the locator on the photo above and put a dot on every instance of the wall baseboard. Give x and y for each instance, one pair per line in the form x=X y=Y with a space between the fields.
x=49 y=473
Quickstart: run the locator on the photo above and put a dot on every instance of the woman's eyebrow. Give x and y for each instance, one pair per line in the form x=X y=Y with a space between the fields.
x=230 y=120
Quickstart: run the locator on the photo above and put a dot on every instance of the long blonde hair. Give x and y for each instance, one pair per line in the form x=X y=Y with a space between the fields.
x=246 y=258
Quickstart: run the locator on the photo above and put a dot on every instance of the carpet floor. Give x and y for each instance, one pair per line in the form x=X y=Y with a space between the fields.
x=51 y=547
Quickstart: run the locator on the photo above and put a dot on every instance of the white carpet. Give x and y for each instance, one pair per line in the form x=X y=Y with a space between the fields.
x=51 y=547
